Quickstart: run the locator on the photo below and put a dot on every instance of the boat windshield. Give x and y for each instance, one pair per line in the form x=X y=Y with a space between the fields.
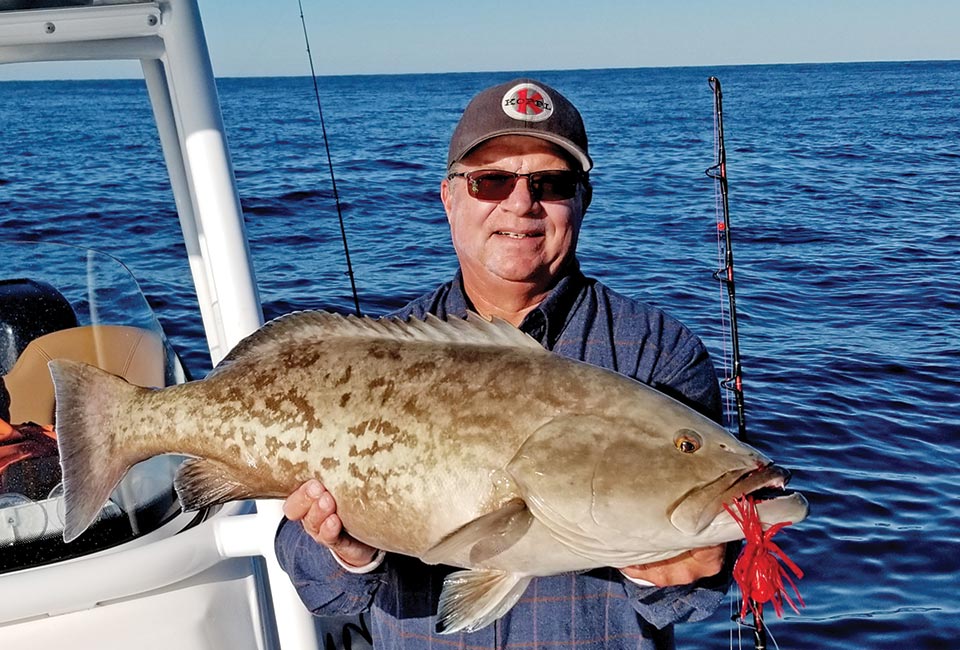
x=60 y=301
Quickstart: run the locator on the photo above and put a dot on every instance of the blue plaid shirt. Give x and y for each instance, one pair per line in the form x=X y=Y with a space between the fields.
x=581 y=319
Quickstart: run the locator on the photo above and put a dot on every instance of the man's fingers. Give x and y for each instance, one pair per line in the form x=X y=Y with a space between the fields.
x=330 y=531
x=683 y=569
x=349 y=549
x=298 y=504
x=314 y=507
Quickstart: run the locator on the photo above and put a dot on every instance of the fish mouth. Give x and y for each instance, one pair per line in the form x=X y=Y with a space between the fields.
x=702 y=507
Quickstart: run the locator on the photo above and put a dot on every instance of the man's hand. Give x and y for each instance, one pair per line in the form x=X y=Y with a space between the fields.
x=314 y=507
x=681 y=570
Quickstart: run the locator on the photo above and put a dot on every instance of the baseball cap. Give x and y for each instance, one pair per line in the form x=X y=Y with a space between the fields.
x=520 y=107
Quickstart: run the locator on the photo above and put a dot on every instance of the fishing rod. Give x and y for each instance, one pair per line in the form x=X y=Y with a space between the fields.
x=733 y=383
x=333 y=180
x=718 y=172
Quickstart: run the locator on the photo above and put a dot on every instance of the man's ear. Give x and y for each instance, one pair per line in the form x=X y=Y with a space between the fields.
x=446 y=196
x=587 y=194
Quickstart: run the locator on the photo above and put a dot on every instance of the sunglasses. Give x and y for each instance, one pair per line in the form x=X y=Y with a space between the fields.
x=496 y=184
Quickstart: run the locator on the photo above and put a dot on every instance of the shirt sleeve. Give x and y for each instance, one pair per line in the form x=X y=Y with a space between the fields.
x=663 y=606
x=689 y=376
x=326 y=588
x=668 y=605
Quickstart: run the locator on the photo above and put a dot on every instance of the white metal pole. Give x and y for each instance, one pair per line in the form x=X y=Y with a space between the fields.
x=220 y=228
x=163 y=114
x=221 y=237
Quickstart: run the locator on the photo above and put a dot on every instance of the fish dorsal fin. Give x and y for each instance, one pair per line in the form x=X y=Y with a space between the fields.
x=302 y=327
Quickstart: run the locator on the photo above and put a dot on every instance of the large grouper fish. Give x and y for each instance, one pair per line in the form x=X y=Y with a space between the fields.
x=461 y=442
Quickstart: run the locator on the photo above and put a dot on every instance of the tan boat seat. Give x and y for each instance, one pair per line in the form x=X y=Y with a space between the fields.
x=133 y=353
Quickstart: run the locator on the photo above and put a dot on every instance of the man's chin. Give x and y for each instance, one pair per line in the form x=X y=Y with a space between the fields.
x=527 y=275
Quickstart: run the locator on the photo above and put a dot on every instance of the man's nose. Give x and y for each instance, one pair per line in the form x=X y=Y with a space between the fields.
x=521 y=199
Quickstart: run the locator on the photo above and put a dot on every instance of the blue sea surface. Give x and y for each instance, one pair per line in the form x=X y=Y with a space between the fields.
x=844 y=195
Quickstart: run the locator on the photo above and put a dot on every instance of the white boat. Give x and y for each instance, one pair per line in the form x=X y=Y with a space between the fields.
x=146 y=575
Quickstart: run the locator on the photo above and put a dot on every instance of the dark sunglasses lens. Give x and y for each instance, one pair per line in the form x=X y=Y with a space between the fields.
x=491 y=186
x=555 y=186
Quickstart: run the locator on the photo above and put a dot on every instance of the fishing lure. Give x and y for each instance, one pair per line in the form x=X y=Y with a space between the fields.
x=759 y=570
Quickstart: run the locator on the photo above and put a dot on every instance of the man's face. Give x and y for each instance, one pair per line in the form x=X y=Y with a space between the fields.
x=516 y=239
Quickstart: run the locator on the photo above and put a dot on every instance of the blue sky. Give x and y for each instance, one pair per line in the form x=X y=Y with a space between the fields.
x=264 y=37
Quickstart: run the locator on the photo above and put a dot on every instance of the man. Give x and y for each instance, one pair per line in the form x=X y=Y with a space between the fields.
x=515 y=196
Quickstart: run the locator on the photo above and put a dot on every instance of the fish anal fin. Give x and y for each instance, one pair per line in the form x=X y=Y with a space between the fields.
x=485 y=536
x=473 y=599
x=201 y=483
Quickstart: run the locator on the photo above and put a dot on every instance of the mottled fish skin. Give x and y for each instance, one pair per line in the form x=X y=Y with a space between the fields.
x=394 y=430
x=464 y=443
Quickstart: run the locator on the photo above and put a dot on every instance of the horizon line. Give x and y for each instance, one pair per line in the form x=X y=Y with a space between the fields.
x=490 y=71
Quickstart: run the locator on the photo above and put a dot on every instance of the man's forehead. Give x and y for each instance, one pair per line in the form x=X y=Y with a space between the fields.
x=505 y=146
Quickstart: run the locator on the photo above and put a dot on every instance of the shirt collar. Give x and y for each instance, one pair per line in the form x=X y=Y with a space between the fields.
x=548 y=319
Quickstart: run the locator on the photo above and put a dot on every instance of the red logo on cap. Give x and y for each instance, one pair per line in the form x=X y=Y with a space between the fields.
x=527 y=102
x=532 y=105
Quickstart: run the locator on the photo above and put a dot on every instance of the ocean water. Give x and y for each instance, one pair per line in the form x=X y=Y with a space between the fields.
x=844 y=194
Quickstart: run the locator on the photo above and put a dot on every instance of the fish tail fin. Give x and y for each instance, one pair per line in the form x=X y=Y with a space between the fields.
x=473 y=599
x=87 y=400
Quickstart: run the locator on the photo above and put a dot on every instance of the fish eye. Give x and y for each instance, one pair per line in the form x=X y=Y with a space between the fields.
x=688 y=441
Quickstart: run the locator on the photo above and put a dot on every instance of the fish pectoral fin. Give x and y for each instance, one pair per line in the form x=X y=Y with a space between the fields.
x=201 y=483
x=488 y=535
x=473 y=599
